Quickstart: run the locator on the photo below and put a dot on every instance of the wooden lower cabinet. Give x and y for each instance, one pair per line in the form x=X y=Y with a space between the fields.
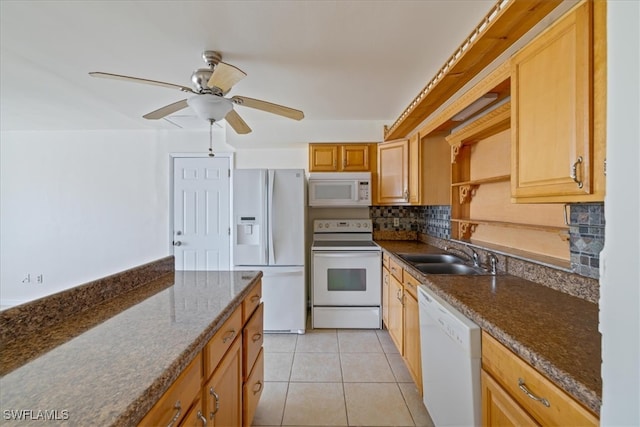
x=411 y=330
x=222 y=393
x=252 y=390
x=171 y=408
x=514 y=392
x=395 y=324
x=223 y=384
x=499 y=409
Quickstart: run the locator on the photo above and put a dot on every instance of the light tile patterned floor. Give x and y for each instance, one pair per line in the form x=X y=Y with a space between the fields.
x=331 y=377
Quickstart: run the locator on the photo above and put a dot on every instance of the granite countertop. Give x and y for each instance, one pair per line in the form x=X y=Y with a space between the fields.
x=113 y=373
x=554 y=332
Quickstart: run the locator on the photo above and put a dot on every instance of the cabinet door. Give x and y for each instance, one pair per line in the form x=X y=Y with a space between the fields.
x=195 y=417
x=385 y=296
x=393 y=172
x=412 y=338
x=499 y=409
x=222 y=394
x=323 y=158
x=355 y=158
x=395 y=324
x=551 y=90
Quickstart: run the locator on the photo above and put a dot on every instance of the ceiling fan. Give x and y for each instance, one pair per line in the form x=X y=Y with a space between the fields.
x=208 y=101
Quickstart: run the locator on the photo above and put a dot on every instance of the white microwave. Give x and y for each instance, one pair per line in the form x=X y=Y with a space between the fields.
x=339 y=189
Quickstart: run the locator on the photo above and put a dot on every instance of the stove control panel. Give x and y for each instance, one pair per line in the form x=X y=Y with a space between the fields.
x=342 y=226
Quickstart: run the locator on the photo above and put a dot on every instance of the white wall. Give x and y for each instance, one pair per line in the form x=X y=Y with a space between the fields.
x=619 y=269
x=77 y=206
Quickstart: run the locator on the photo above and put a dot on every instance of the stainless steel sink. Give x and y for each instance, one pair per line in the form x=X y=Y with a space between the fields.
x=431 y=258
x=449 y=268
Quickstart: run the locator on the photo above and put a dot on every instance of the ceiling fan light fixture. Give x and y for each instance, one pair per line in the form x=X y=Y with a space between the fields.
x=210 y=107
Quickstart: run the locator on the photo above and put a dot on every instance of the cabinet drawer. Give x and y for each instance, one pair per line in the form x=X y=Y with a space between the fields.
x=252 y=338
x=221 y=341
x=251 y=302
x=516 y=377
x=175 y=402
x=395 y=269
x=410 y=284
x=252 y=390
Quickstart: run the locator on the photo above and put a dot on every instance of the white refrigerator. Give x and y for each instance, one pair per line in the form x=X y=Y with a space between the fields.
x=269 y=235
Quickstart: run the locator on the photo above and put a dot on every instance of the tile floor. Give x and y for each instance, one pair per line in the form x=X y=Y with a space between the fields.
x=331 y=377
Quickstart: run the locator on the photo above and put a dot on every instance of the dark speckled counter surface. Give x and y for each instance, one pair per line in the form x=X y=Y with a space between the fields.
x=113 y=372
x=554 y=332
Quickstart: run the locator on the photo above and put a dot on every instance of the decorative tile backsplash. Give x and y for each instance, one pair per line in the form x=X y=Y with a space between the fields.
x=586 y=231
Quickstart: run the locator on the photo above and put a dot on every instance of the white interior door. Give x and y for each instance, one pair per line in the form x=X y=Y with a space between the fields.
x=201 y=214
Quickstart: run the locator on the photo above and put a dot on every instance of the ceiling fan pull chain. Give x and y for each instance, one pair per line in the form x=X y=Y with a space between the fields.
x=211 y=138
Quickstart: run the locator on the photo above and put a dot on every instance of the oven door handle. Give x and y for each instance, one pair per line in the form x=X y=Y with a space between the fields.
x=347 y=254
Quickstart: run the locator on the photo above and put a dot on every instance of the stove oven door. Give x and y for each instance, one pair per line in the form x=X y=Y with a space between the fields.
x=346 y=278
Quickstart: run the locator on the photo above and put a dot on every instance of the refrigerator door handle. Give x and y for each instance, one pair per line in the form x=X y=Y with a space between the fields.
x=271 y=251
x=265 y=215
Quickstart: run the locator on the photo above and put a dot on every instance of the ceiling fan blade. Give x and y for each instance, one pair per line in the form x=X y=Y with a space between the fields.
x=236 y=122
x=225 y=76
x=268 y=107
x=166 y=110
x=139 y=80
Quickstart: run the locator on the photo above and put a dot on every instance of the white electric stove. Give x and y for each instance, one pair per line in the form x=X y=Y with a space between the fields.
x=345 y=275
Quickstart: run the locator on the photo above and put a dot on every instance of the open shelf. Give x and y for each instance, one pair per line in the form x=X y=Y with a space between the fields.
x=489 y=180
x=548 y=228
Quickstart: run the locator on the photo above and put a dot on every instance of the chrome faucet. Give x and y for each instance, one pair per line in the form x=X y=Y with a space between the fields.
x=493 y=263
x=474 y=257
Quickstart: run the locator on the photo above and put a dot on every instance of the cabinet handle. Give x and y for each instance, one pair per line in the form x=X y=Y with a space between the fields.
x=256 y=337
x=257 y=389
x=202 y=418
x=399 y=295
x=230 y=335
x=405 y=194
x=574 y=172
x=216 y=399
x=255 y=298
x=344 y=163
x=522 y=386
x=178 y=408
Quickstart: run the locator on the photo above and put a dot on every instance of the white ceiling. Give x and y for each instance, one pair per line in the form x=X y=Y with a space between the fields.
x=335 y=60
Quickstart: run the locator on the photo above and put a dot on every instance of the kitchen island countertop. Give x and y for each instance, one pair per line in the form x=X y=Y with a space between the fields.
x=113 y=373
x=554 y=332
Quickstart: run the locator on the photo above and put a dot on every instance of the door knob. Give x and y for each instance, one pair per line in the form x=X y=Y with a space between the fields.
x=177 y=243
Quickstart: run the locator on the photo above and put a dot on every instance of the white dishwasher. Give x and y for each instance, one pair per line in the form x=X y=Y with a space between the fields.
x=450 y=349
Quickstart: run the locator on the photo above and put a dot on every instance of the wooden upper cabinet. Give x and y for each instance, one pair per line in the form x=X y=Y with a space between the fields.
x=552 y=121
x=416 y=171
x=340 y=157
x=393 y=172
x=323 y=157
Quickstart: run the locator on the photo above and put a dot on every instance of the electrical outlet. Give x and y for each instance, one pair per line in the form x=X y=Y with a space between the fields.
x=27 y=278
x=396 y=222
x=40 y=278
